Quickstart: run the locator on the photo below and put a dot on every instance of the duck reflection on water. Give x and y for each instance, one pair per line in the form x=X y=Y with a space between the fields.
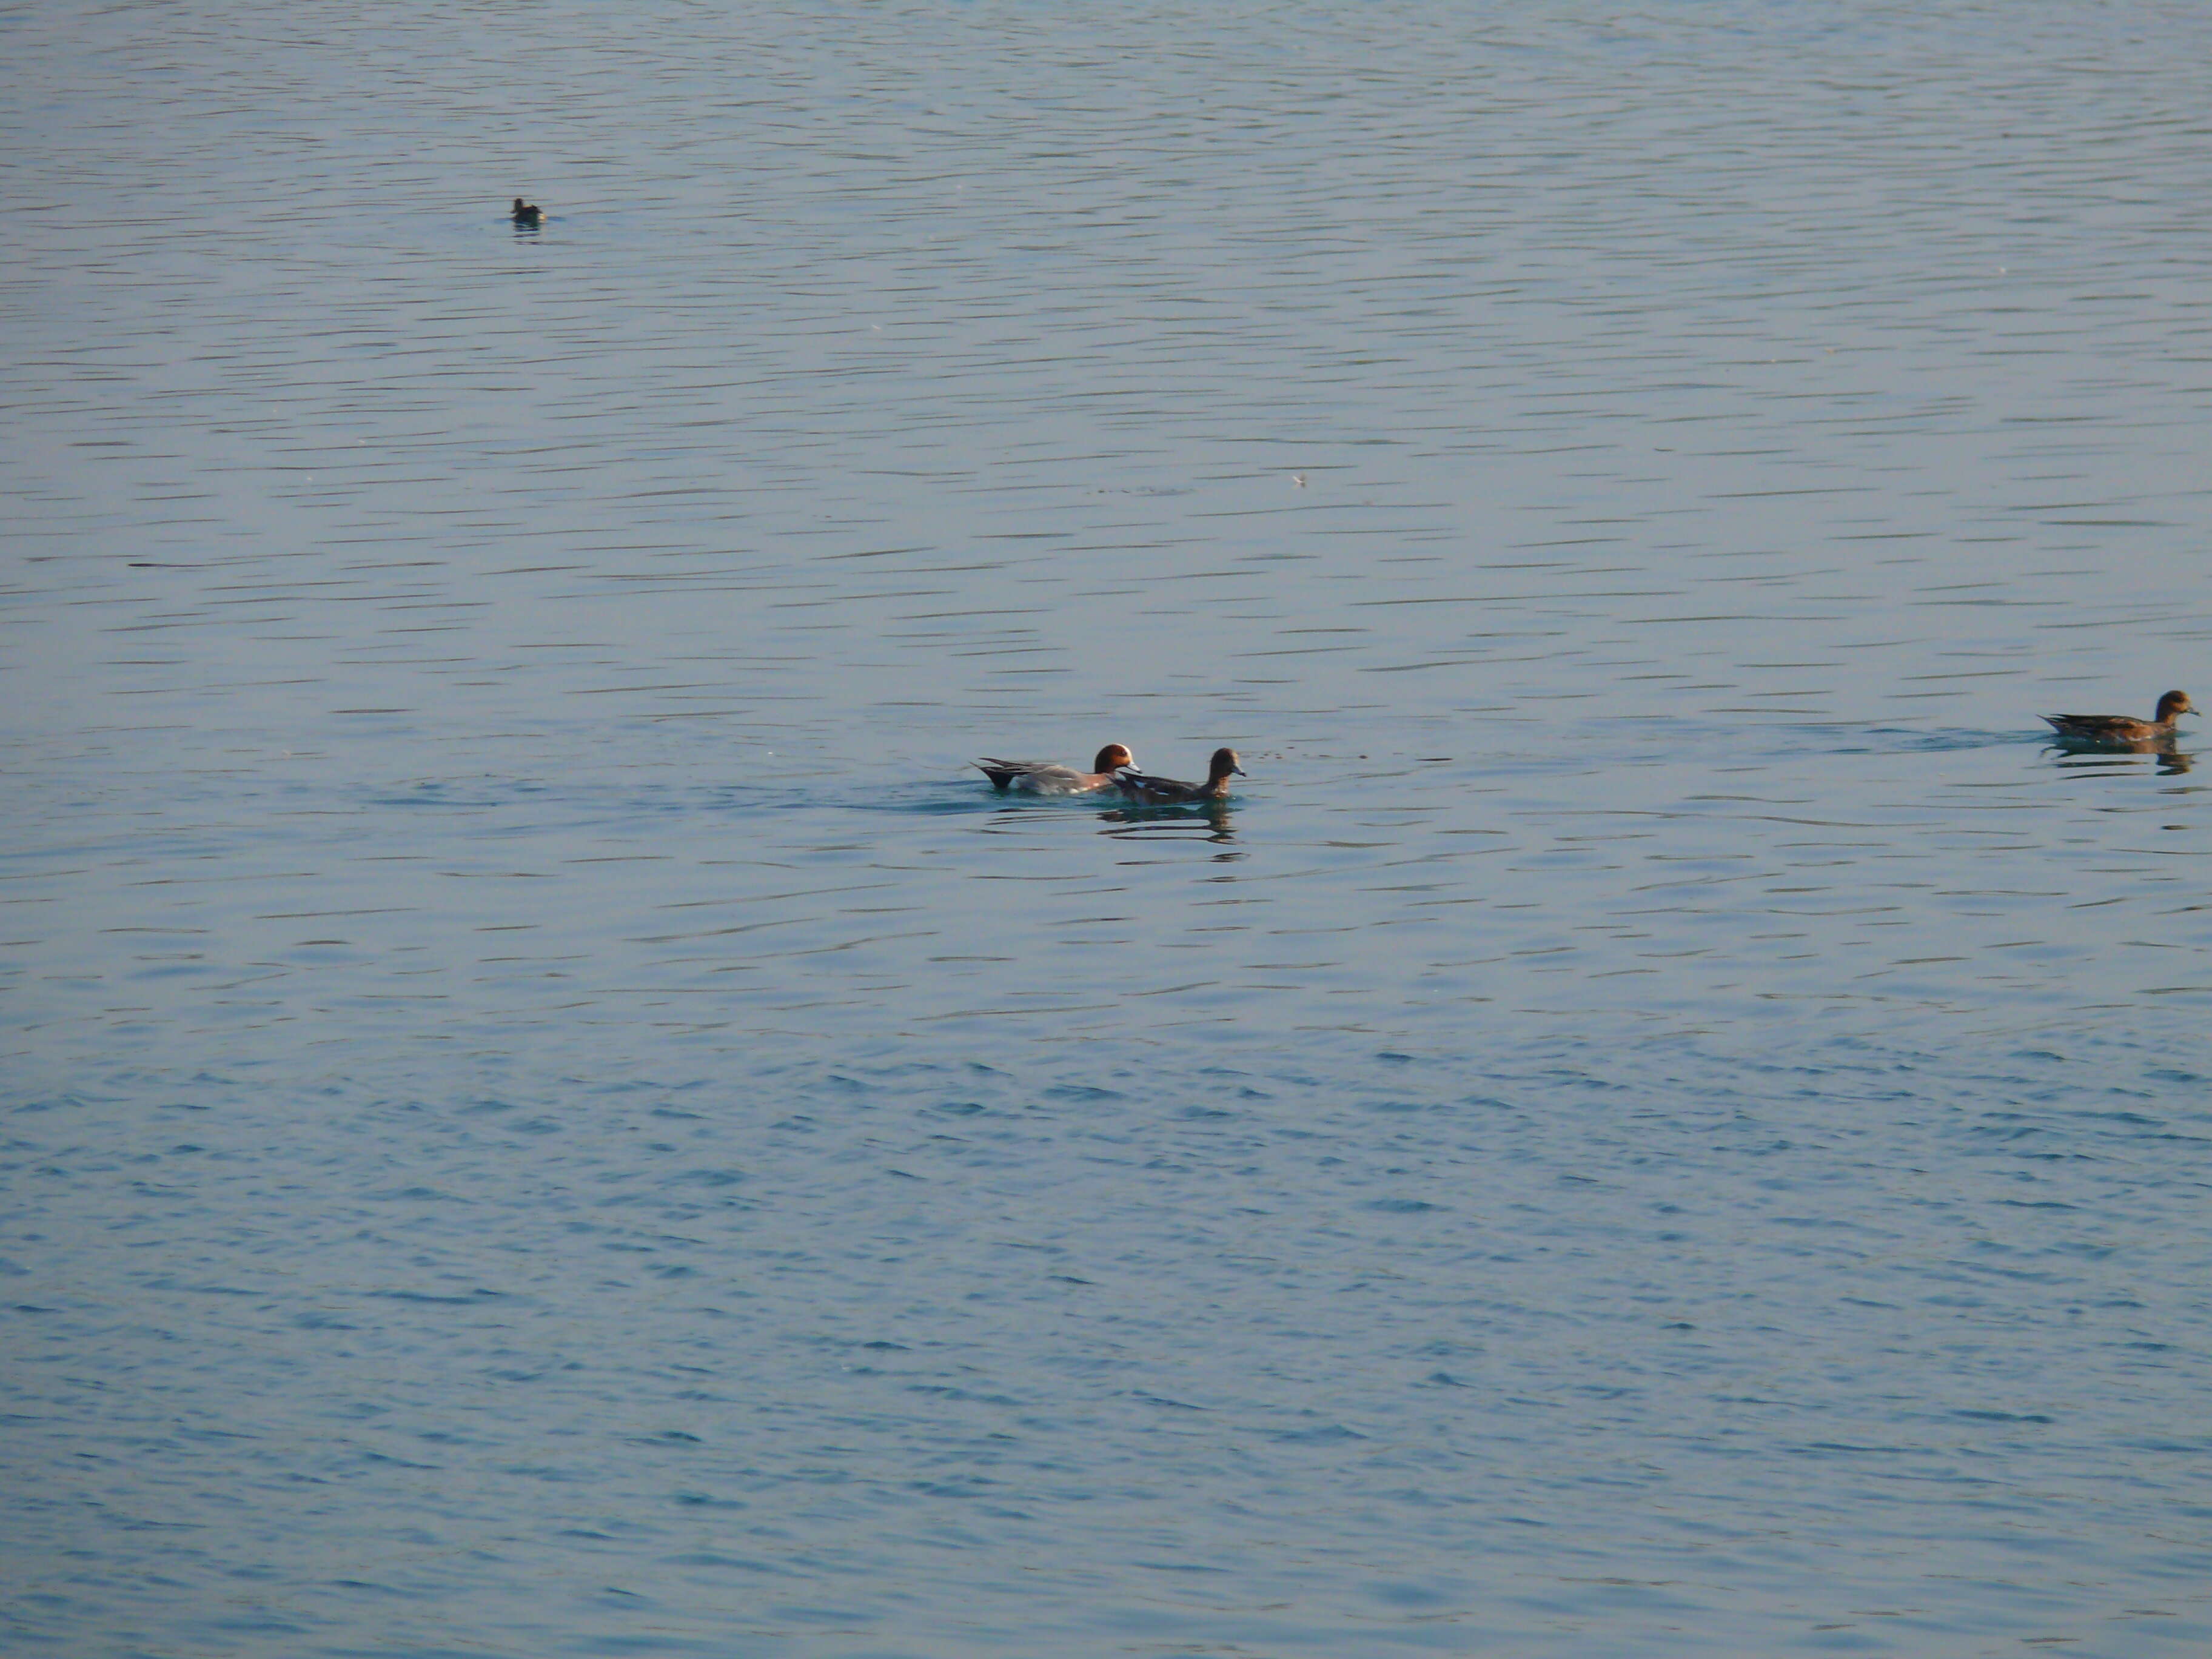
x=1217 y=818
x=2119 y=757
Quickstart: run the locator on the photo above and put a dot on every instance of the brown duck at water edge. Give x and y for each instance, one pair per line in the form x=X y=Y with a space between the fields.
x=1042 y=778
x=2124 y=728
x=1168 y=792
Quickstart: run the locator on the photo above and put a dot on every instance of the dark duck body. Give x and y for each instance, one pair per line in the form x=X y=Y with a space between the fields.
x=2123 y=729
x=1171 y=792
x=527 y=213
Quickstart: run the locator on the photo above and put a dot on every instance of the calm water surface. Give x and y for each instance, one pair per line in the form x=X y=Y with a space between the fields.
x=547 y=1112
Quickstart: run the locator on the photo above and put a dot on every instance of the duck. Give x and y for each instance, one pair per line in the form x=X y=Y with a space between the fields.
x=1168 y=792
x=527 y=213
x=1042 y=778
x=2124 y=728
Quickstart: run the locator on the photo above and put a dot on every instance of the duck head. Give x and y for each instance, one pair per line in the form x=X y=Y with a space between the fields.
x=1225 y=763
x=1112 y=758
x=2172 y=703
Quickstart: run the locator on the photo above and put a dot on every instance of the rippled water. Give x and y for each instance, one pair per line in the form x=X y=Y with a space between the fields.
x=549 y=1113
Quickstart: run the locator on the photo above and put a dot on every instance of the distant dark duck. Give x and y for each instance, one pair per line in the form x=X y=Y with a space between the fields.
x=526 y=213
x=1168 y=792
x=2124 y=728
x=1042 y=778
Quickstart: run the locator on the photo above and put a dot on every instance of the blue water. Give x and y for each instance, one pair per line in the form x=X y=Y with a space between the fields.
x=549 y=1111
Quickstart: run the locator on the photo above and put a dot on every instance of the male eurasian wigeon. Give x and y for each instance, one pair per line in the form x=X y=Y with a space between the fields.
x=1042 y=778
x=1167 y=792
x=2124 y=728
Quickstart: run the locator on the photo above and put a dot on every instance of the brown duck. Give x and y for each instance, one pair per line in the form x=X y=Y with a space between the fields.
x=1042 y=778
x=2124 y=728
x=1168 y=792
x=527 y=213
